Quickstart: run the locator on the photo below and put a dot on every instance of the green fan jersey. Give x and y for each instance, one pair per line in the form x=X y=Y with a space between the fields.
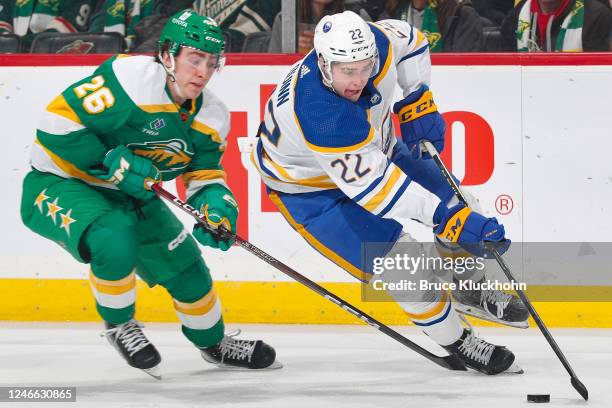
x=126 y=102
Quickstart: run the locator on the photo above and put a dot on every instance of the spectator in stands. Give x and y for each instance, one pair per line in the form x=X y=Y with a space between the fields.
x=239 y=18
x=26 y=18
x=309 y=12
x=114 y=16
x=449 y=25
x=493 y=12
x=557 y=25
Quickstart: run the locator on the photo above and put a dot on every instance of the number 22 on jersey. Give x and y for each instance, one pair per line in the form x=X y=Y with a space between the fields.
x=97 y=97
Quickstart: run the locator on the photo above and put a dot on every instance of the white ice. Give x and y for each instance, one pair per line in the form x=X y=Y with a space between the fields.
x=324 y=366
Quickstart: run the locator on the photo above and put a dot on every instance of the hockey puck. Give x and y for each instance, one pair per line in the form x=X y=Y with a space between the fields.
x=538 y=398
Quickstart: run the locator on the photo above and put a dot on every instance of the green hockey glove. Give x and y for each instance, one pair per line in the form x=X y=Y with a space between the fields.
x=130 y=172
x=220 y=208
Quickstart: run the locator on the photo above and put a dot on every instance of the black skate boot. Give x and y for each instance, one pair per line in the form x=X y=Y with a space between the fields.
x=246 y=354
x=492 y=305
x=482 y=356
x=131 y=343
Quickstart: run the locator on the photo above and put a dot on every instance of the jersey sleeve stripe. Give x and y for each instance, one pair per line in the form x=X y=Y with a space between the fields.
x=157 y=108
x=414 y=54
x=372 y=185
x=259 y=151
x=69 y=168
x=60 y=106
x=382 y=194
x=204 y=175
x=385 y=68
x=396 y=197
x=55 y=124
x=195 y=185
x=207 y=130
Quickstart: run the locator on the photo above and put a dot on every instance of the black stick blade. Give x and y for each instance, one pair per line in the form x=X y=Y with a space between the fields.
x=582 y=390
x=453 y=363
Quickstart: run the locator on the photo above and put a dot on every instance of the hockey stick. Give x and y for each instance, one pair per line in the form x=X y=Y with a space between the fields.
x=450 y=362
x=576 y=383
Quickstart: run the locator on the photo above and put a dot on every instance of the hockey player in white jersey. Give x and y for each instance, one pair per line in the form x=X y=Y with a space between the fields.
x=328 y=155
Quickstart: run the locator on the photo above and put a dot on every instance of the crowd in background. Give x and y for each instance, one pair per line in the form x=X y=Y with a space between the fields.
x=256 y=25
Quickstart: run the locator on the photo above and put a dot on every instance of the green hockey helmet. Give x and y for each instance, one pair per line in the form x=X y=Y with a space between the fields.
x=189 y=29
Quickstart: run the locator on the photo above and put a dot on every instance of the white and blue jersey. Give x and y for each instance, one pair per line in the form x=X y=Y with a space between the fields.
x=334 y=167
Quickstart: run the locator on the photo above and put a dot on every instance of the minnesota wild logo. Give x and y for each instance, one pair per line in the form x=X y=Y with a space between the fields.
x=432 y=38
x=21 y=3
x=76 y=47
x=168 y=155
x=117 y=9
x=521 y=27
x=577 y=6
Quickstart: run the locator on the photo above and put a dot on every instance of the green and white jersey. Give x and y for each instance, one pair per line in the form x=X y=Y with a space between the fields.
x=126 y=102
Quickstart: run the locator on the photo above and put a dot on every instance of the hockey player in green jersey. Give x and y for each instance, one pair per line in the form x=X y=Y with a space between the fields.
x=139 y=120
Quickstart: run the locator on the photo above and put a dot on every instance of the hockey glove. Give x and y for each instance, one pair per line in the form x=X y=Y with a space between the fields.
x=130 y=172
x=220 y=208
x=470 y=229
x=420 y=120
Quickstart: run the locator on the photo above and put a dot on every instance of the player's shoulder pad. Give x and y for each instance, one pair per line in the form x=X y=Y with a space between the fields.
x=142 y=79
x=213 y=117
x=329 y=123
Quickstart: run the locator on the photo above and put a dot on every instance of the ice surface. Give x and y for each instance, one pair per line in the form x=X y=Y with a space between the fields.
x=325 y=366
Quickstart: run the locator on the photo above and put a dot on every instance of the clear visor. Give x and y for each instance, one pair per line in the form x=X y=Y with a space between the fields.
x=354 y=71
x=205 y=59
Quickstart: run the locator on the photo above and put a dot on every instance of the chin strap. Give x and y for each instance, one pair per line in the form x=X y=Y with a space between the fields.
x=170 y=72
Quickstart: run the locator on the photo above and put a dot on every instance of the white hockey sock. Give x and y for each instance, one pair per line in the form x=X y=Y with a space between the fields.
x=437 y=318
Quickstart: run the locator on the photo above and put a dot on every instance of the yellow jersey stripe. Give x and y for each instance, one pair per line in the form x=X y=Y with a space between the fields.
x=343 y=263
x=385 y=68
x=59 y=106
x=70 y=168
x=166 y=107
x=384 y=192
x=207 y=130
x=204 y=175
x=324 y=182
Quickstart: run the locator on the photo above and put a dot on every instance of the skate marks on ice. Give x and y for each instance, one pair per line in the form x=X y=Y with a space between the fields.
x=328 y=366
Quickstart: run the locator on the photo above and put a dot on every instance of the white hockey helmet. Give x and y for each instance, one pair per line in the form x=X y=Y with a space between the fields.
x=343 y=37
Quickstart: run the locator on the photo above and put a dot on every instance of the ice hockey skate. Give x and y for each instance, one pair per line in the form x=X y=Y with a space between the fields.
x=482 y=356
x=134 y=347
x=239 y=354
x=492 y=305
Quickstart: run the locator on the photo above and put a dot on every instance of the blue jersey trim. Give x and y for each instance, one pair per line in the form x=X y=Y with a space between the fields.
x=372 y=185
x=396 y=197
x=414 y=54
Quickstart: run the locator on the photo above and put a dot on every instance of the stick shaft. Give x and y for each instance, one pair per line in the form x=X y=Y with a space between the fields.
x=502 y=264
x=449 y=362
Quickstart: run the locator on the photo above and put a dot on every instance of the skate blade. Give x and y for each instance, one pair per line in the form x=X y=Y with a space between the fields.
x=274 y=366
x=154 y=372
x=479 y=314
x=513 y=369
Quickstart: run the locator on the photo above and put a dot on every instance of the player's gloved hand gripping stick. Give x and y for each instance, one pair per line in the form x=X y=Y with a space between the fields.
x=493 y=249
x=222 y=234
